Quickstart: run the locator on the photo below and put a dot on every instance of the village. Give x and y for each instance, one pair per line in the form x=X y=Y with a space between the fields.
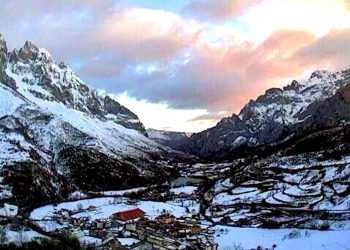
x=131 y=229
x=125 y=223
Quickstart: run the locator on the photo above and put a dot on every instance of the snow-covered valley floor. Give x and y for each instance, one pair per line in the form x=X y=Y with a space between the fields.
x=285 y=239
x=227 y=237
x=106 y=206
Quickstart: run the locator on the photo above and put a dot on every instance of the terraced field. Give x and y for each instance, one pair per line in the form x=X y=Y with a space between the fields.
x=300 y=191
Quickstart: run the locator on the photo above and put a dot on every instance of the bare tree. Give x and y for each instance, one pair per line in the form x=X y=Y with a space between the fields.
x=3 y=237
x=21 y=237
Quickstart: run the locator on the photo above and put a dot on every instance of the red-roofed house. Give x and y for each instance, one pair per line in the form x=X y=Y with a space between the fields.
x=129 y=214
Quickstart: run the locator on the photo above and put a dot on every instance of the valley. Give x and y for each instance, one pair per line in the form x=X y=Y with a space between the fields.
x=286 y=209
x=79 y=169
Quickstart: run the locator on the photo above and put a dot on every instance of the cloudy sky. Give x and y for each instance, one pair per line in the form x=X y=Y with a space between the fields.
x=184 y=64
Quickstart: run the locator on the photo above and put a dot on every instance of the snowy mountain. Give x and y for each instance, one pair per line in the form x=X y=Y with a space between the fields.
x=273 y=117
x=33 y=73
x=58 y=135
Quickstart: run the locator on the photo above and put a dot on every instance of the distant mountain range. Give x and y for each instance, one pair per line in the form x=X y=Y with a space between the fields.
x=274 y=117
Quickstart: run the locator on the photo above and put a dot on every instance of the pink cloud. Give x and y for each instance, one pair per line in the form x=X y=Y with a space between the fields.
x=218 y=9
x=217 y=78
x=232 y=75
x=148 y=35
x=332 y=50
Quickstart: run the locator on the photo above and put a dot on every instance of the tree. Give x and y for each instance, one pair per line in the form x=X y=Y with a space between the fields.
x=79 y=206
x=21 y=237
x=3 y=237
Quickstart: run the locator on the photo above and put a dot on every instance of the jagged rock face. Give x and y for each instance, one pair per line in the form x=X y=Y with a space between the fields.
x=57 y=135
x=3 y=50
x=274 y=116
x=4 y=78
x=28 y=173
x=39 y=77
x=335 y=108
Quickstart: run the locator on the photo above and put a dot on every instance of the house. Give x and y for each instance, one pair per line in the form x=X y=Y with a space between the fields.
x=111 y=243
x=75 y=221
x=166 y=218
x=140 y=245
x=210 y=245
x=114 y=223
x=98 y=233
x=99 y=224
x=195 y=229
x=130 y=226
x=129 y=214
x=77 y=233
x=101 y=234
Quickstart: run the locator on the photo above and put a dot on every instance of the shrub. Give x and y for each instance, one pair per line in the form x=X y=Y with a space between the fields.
x=234 y=247
x=79 y=206
x=295 y=234
x=324 y=226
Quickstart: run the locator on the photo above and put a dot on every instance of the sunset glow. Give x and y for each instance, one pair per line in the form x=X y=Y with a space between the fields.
x=182 y=66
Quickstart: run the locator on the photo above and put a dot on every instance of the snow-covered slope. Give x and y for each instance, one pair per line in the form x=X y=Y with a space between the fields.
x=270 y=118
x=44 y=82
x=58 y=135
x=284 y=105
x=310 y=190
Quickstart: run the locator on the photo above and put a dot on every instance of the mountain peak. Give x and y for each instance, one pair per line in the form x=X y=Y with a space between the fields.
x=63 y=65
x=28 y=52
x=34 y=73
x=3 y=46
x=271 y=117
x=2 y=38
x=320 y=74
x=3 y=61
x=30 y=46
x=294 y=85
